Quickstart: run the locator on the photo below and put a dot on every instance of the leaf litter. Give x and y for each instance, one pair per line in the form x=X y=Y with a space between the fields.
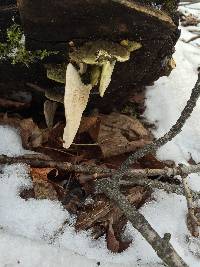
x=99 y=139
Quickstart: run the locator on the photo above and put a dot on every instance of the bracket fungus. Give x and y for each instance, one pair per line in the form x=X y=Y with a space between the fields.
x=75 y=102
x=103 y=55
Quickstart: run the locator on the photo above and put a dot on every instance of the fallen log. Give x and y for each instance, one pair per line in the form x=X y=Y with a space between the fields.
x=8 y=12
x=154 y=24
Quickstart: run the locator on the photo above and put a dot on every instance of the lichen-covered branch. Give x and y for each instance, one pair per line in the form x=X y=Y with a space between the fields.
x=35 y=161
x=166 y=172
x=192 y=219
x=155 y=184
x=132 y=177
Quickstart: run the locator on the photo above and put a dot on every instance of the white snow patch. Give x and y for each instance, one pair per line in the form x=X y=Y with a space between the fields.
x=167 y=98
x=18 y=251
x=11 y=144
x=32 y=218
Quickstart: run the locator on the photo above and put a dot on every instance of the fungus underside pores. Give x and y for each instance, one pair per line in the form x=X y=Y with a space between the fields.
x=102 y=57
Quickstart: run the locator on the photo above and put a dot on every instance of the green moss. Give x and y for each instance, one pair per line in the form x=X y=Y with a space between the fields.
x=15 y=51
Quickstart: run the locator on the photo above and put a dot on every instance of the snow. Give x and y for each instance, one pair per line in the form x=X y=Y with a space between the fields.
x=19 y=216
x=11 y=144
x=28 y=227
x=167 y=98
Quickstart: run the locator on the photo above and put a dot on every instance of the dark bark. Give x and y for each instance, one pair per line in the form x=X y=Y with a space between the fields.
x=52 y=25
x=8 y=12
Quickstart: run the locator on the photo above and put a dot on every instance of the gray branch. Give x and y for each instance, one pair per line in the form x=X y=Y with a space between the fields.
x=162 y=246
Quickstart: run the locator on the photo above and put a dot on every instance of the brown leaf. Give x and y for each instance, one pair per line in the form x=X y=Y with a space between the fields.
x=94 y=213
x=42 y=187
x=151 y=162
x=11 y=121
x=112 y=242
x=31 y=135
x=189 y=20
x=87 y=123
x=119 y=134
x=55 y=136
x=103 y=209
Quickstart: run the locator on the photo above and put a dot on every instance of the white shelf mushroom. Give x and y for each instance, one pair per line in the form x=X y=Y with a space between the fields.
x=75 y=102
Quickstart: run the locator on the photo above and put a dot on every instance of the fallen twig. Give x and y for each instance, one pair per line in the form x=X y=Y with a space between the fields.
x=65 y=166
x=131 y=178
x=193 y=38
x=193 y=221
x=161 y=245
x=155 y=184
x=97 y=172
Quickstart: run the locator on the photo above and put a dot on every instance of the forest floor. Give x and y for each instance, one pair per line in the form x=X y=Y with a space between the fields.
x=33 y=228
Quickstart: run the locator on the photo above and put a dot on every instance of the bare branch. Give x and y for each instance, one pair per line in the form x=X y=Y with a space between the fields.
x=34 y=161
x=169 y=188
x=132 y=177
x=194 y=222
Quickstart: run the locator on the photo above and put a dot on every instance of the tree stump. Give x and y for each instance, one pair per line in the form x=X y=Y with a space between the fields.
x=53 y=24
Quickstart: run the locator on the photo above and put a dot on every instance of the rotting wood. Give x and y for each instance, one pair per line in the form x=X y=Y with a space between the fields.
x=157 y=30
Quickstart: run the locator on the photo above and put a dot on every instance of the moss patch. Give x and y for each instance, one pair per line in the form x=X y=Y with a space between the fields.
x=14 y=49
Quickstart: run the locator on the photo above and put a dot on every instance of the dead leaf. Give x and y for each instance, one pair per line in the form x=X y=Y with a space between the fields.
x=151 y=162
x=30 y=133
x=189 y=20
x=120 y=134
x=87 y=123
x=55 y=136
x=43 y=189
x=92 y=214
x=113 y=238
x=103 y=216
x=112 y=242
x=103 y=209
